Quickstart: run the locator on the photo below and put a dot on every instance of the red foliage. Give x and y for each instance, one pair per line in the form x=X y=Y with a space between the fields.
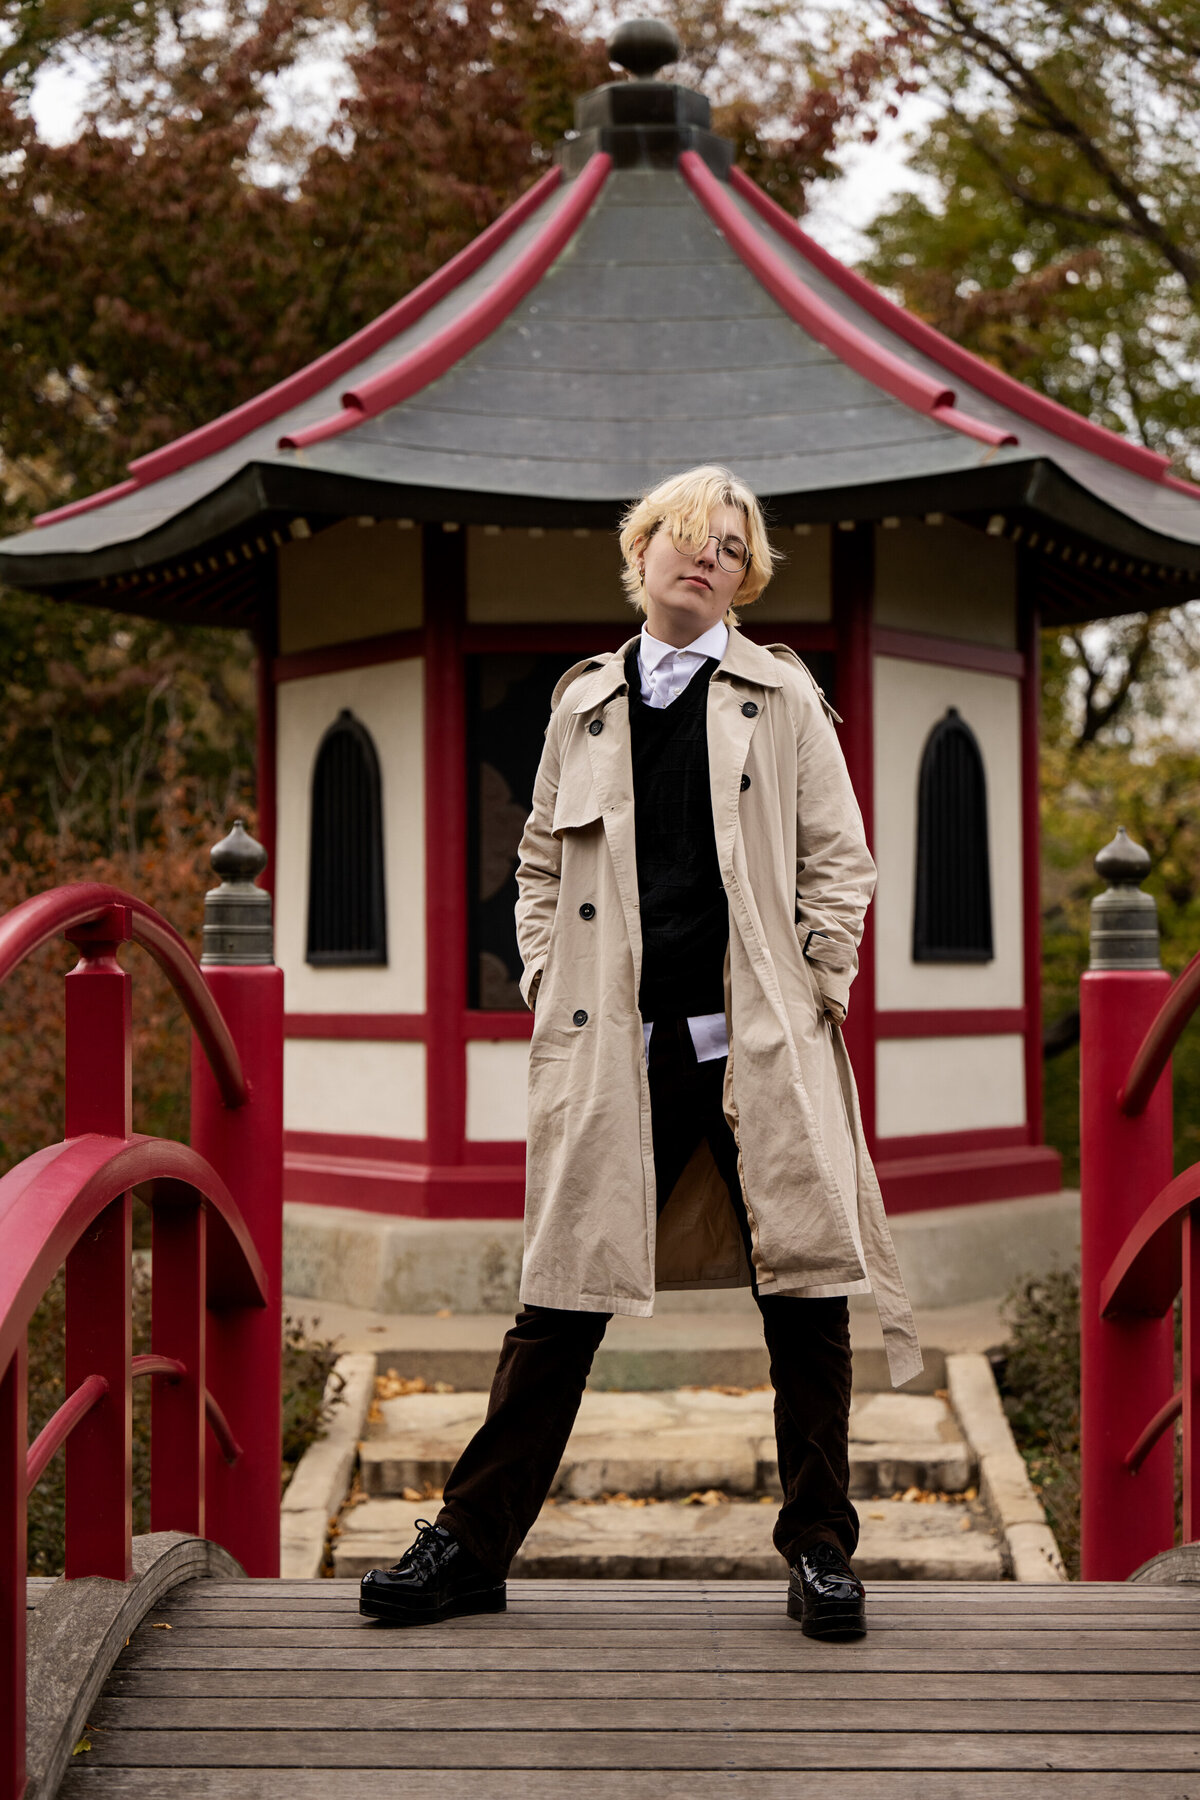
x=172 y=873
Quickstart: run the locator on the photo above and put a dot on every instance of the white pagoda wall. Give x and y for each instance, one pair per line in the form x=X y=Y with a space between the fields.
x=497 y=1083
x=951 y=582
x=333 y=1085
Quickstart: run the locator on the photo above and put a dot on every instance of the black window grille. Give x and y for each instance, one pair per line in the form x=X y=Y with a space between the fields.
x=952 y=920
x=346 y=918
x=508 y=703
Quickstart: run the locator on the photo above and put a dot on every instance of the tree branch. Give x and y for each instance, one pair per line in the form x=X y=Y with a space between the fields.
x=1004 y=65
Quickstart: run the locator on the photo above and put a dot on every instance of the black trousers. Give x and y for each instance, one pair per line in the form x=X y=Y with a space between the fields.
x=500 y=1482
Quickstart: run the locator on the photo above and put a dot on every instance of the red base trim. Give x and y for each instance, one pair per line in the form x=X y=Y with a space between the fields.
x=496 y=1027
x=344 y=1144
x=359 y=653
x=950 y=653
x=387 y=1175
x=957 y=1022
x=951 y=1143
x=373 y=1028
x=921 y=1183
x=406 y=1189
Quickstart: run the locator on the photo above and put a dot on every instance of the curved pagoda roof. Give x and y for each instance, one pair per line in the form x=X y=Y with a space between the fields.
x=642 y=308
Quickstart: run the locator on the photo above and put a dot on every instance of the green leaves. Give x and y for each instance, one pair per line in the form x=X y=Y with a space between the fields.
x=1057 y=229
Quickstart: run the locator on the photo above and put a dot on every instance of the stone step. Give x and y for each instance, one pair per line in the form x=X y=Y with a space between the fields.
x=676 y=1346
x=663 y=1444
x=671 y=1540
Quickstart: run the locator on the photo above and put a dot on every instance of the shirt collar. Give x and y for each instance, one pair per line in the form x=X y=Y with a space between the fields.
x=712 y=642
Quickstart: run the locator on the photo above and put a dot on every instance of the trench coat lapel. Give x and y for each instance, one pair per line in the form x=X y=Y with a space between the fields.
x=734 y=711
x=603 y=701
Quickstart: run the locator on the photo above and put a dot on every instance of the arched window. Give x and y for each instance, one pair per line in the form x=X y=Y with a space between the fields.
x=953 y=915
x=346 y=919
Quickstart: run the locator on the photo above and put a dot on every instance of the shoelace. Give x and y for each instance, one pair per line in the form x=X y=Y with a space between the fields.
x=423 y=1550
x=825 y=1560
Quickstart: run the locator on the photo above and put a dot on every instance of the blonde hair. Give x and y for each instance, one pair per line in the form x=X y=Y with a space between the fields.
x=685 y=503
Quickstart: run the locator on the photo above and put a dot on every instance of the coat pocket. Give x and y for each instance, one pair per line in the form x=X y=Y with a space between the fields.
x=575 y=803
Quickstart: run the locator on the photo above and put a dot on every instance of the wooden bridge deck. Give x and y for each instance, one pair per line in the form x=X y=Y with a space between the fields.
x=654 y=1691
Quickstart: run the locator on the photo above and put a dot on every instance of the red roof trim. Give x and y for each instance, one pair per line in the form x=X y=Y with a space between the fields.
x=430 y=360
x=964 y=364
x=880 y=366
x=82 y=506
x=219 y=433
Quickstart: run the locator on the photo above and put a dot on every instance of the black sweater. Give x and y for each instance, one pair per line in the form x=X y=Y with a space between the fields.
x=685 y=915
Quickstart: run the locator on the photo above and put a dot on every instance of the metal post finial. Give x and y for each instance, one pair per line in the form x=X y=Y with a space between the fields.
x=1124 y=930
x=237 y=914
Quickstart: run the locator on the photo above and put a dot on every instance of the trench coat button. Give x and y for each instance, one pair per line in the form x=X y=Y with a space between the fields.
x=596 y=727
x=745 y=782
x=579 y=1018
x=587 y=910
x=749 y=709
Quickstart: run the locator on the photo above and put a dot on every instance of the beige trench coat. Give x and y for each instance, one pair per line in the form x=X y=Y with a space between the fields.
x=790 y=841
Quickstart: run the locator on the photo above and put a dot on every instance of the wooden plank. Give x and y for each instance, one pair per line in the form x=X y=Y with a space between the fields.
x=808 y=1686
x=641 y=1750
x=987 y=1596
x=83 y=1783
x=983 y=1597
x=513 y=1636
x=882 y=1615
x=520 y=1711
x=410 y=1650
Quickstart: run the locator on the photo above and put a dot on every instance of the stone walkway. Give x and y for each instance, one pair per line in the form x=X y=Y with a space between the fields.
x=670 y=1471
x=684 y=1483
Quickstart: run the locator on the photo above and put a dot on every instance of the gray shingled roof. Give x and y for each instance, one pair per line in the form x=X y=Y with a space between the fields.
x=646 y=347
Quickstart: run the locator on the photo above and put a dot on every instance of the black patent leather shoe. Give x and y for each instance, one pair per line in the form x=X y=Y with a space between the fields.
x=436 y=1578
x=826 y=1595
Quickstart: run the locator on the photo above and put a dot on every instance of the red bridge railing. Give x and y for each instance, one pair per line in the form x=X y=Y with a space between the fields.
x=214 y=1362
x=1140 y=1236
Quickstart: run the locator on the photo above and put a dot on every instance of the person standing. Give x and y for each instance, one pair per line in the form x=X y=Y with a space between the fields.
x=692 y=884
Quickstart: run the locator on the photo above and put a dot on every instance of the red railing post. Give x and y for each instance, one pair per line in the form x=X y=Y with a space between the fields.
x=1190 y=1382
x=178 y=1328
x=99 y=1098
x=1127 y=1361
x=244 y=1144
x=13 y=1444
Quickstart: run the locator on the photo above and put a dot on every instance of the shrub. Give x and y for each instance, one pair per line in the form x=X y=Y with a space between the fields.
x=1040 y=1386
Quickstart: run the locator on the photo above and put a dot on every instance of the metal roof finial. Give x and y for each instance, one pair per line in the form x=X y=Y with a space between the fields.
x=643 y=46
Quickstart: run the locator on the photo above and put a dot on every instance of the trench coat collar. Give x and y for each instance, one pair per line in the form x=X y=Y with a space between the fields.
x=742 y=661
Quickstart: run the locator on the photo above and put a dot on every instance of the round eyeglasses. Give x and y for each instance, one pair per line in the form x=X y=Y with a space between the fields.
x=732 y=555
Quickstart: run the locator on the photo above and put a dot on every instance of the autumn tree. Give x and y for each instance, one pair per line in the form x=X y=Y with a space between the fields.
x=1056 y=227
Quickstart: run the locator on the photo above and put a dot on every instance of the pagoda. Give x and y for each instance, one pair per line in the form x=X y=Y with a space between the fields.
x=420 y=530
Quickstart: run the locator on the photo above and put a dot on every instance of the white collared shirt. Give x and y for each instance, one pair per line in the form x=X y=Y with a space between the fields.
x=665 y=672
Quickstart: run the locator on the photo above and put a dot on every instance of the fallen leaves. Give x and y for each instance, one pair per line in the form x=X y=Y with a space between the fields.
x=394 y=1386
x=161 y=1625
x=929 y=1497
x=726 y=1387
